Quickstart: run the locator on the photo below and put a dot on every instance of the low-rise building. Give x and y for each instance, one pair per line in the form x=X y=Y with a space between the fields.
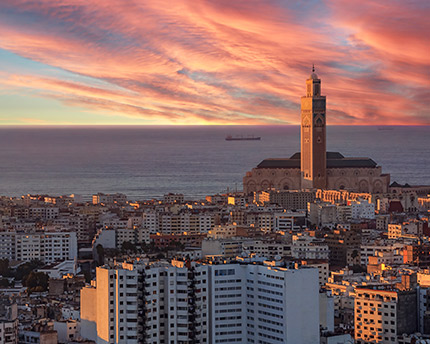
x=308 y=247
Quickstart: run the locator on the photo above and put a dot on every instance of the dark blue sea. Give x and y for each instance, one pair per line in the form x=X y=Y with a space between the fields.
x=147 y=162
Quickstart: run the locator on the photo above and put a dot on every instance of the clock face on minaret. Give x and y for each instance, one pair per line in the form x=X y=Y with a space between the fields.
x=313 y=135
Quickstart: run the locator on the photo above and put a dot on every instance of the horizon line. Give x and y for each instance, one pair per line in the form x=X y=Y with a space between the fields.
x=198 y=125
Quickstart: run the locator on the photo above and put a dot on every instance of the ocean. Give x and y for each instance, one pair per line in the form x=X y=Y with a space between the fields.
x=146 y=162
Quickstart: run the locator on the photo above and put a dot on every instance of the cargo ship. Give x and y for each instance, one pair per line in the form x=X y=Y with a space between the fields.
x=242 y=138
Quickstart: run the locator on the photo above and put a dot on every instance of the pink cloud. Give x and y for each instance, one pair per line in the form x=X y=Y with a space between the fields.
x=222 y=62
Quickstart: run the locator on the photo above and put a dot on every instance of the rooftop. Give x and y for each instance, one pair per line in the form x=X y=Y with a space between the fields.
x=334 y=160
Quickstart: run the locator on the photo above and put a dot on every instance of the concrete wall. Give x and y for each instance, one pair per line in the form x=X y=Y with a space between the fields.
x=102 y=297
x=326 y=303
x=407 y=312
x=302 y=306
x=89 y=313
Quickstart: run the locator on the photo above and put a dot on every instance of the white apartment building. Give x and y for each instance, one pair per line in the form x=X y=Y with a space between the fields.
x=47 y=247
x=9 y=331
x=134 y=235
x=322 y=214
x=362 y=209
x=7 y=246
x=266 y=248
x=134 y=221
x=307 y=247
x=373 y=249
x=258 y=304
x=206 y=222
x=79 y=223
x=231 y=247
x=115 y=223
x=343 y=213
x=173 y=198
x=262 y=219
x=265 y=222
x=67 y=330
x=114 y=238
x=150 y=221
x=185 y=222
x=22 y=226
x=286 y=221
x=44 y=213
x=131 y=301
x=204 y=303
x=382 y=222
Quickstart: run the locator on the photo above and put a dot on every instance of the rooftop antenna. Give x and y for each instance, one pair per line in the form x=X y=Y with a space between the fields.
x=313 y=68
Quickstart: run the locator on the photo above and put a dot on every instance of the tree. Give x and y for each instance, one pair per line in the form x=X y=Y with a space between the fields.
x=127 y=246
x=100 y=254
x=24 y=269
x=4 y=268
x=36 y=281
x=175 y=245
x=358 y=269
x=4 y=283
x=87 y=275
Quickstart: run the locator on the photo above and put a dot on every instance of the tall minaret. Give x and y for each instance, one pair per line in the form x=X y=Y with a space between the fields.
x=313 y=135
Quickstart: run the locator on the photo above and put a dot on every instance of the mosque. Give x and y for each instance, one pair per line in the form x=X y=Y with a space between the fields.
x=314 y=167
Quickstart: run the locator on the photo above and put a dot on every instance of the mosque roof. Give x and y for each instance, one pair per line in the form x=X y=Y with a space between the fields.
x=334 y=160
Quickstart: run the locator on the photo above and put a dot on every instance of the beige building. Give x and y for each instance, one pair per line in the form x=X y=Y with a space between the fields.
x=314 y=167
x=414 y=228
x=227 y=231
x=287 y=199
x=382 y=315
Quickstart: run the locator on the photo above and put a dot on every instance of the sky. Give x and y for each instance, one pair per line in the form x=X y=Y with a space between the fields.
x=198 y=62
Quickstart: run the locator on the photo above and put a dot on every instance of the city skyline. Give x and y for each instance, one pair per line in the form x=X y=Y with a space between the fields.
x=155 y=62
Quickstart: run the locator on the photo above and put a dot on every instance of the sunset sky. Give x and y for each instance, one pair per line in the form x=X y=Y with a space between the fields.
x=212 y=61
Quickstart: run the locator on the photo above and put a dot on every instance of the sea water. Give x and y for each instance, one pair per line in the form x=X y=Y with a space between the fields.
x=146 y=162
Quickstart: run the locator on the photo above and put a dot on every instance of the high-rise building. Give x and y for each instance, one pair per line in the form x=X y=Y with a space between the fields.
x=172 y=303
x=313 y=135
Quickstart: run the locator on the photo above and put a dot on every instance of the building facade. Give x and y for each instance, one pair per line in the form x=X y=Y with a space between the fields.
x=382 y=315
x=48 y=247
x=313 y=136
x=243 y=302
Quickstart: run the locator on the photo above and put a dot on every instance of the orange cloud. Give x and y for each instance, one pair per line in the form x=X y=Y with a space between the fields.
x=220 y=62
